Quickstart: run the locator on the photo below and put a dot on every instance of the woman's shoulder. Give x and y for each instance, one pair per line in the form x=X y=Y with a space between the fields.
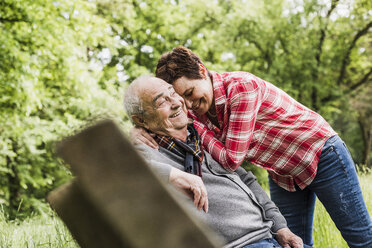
x=241 y=81
x=238 y=76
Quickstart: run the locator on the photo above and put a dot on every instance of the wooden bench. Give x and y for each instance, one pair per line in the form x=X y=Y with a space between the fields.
x=116 y=200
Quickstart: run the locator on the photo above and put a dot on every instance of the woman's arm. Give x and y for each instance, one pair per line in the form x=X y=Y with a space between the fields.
x=189 y=184
x=139 y=136
x=244 y=101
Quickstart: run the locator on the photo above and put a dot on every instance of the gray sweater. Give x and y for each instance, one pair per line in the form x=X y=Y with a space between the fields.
x=239 y=209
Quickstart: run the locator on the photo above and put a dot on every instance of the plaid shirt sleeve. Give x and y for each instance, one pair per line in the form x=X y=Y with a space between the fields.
x=245 y=100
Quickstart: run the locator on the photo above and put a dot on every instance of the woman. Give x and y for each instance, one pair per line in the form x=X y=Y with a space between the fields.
x=242 y=117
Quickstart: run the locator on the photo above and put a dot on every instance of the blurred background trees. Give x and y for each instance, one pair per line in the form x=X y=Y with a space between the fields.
x=63 y=63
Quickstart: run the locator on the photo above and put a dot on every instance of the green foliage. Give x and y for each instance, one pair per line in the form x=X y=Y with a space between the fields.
x=260 y=173
x=65 y=62
x=47 y=90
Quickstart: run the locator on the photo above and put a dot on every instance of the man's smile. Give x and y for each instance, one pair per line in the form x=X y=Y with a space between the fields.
x=176 y=114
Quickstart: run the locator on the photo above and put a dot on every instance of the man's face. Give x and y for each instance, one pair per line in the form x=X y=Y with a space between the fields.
x=165 y=110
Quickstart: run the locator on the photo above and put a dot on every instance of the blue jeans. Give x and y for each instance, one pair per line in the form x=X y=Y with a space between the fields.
x=266 y=243
x=337 y=186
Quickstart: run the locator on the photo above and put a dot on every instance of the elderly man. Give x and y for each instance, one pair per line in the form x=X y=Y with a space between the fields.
x=233 y=203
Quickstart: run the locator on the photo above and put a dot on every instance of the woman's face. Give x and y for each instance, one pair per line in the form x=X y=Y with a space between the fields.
x=198 y=93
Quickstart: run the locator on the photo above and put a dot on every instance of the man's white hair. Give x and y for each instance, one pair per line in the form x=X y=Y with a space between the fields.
x=132 y=101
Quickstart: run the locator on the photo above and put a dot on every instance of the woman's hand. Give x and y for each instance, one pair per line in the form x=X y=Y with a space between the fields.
x=139 y=135
x=286 y=238
x=192 y=186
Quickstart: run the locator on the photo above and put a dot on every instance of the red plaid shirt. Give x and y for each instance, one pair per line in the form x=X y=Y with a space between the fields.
x=260 y=123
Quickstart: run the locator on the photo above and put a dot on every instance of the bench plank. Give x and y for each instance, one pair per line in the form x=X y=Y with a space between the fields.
x=131 y=197
x=85 y=222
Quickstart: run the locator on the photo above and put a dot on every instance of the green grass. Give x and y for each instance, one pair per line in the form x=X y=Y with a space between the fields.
x=48 y=231
x=38 y=231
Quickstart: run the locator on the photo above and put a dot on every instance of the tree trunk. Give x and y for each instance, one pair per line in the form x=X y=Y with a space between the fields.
x=368 y=148
x=367 y=140
x=13 y=186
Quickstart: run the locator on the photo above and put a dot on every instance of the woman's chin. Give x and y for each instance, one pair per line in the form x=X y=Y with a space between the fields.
x=200 y=111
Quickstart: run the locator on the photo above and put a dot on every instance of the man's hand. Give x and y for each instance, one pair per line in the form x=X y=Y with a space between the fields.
x=192 y=186
x=286 y=238
x=139 y=135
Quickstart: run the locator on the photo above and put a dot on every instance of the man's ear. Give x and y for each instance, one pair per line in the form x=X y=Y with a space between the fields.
x=138 y=121
x=203 y=71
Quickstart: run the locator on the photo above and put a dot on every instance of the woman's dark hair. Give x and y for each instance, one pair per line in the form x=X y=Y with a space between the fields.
x=178 y=63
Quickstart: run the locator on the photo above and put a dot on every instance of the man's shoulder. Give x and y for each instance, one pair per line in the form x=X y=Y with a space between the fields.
x=144 y=148
x=147 y=151
x=152 y=154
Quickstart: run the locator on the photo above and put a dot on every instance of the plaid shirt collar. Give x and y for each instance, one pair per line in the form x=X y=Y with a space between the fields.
x=190 y=150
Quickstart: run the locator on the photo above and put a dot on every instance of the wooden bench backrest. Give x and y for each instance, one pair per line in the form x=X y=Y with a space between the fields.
x=126 y=195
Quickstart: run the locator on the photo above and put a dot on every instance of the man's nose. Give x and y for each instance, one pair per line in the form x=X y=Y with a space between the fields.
x=175 y=103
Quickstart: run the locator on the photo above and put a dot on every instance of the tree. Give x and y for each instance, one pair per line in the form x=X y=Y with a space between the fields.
x=362 y=103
